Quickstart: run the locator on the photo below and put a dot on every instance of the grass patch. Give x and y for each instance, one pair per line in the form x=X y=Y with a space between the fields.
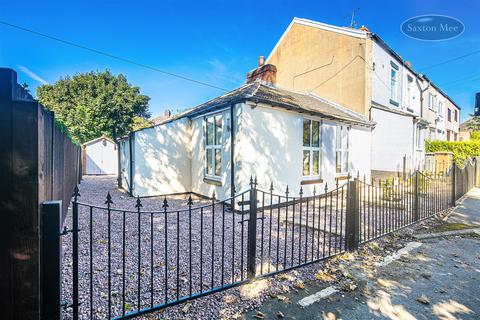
x=450 y=227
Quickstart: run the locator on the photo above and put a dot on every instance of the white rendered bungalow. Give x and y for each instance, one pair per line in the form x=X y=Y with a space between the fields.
x=279 y=136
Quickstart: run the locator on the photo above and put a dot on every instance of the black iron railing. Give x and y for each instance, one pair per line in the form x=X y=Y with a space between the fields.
x=123 y=263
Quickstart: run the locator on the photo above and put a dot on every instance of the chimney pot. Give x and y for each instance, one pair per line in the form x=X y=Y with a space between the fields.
x=364 y=28
x=261 y=61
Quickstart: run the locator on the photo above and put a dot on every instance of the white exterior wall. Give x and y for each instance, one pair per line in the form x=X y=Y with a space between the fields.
x=270 y=147
x=394 y=135
x=392 y=139
x=162 y=159
x=199 y=185
x=381 y=82
x=101 y=157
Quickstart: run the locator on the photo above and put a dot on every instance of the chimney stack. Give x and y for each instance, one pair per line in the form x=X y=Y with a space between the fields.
x=265 y=72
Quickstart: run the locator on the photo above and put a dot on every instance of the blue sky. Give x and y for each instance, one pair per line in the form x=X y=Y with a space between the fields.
x=215 y=41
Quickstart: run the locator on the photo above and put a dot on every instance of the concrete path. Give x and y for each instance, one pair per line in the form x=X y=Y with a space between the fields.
x=440 y=279
x=467 y=211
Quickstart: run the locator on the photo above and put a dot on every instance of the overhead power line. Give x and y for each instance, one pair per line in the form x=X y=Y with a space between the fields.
x=106 y=54
x=450 y=60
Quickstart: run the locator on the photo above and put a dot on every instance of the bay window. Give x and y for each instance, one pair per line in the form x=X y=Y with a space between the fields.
x=311 y=148
x=213 y=146
x=341 y=149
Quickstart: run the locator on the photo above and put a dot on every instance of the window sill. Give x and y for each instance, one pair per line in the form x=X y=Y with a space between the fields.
x=212 y=181
x=311 y=181
x=393 y=102
x=341 y=176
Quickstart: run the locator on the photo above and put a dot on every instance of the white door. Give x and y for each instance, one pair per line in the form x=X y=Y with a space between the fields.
x=101 y=158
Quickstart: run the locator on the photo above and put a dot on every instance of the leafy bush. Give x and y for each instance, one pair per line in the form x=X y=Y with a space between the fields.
x=474 y=135
x=461 y=149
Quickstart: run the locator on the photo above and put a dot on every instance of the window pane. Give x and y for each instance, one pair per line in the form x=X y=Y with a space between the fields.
x=218 y=162
x=344 y=138
x=338 y=137
x=218 y=129
x=345 y=162
x=306 y=163
x=316 y=163
x=306 y=133
x=315 y=134
x=338 y=162
x=209 y=161
x=209 y=131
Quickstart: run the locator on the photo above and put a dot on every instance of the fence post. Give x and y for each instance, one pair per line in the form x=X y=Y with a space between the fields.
x=50 y=259
x=352 y=221
x=416 y=212
x=454 y=184
x=252 y=231
x=75 y=230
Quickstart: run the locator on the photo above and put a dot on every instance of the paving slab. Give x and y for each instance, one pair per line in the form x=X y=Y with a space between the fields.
x=427 y=283
x=468 y=210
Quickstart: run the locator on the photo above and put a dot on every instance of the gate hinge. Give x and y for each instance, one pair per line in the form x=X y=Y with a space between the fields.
x=66 y=231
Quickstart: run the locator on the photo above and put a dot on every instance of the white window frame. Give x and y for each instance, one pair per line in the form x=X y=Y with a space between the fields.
x=420 y=140
x=344 y=150
x=311 y=149
x=440 y=109
x=394 y=84
x=430 y=102
x=409 y=97
x=212 y=148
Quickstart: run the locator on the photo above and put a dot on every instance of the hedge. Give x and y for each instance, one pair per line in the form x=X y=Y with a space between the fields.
x=461 y=149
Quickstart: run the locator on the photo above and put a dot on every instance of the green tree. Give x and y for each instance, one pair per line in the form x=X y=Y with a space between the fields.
x=474 y=123
x=95 y=103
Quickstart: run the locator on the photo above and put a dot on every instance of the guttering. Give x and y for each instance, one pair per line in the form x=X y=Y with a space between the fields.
x=421 y=93
x=232 y=152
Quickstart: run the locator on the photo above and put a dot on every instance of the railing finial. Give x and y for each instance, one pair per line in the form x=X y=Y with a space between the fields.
x=139 y=203
x=109 y=199
x=271 y=187
x=76 y=193
x=165 y=204
x=190 y=201
x=301 y=191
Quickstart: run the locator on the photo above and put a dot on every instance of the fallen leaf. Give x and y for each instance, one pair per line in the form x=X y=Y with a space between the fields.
x=229 y=298
x=186 y=307
x=423 y=299
x=299 y=285
x=259 y=315
x=280 y=314
x=282 y=297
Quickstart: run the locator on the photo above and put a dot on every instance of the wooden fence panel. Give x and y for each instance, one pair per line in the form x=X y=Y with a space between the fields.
x=38 y=163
